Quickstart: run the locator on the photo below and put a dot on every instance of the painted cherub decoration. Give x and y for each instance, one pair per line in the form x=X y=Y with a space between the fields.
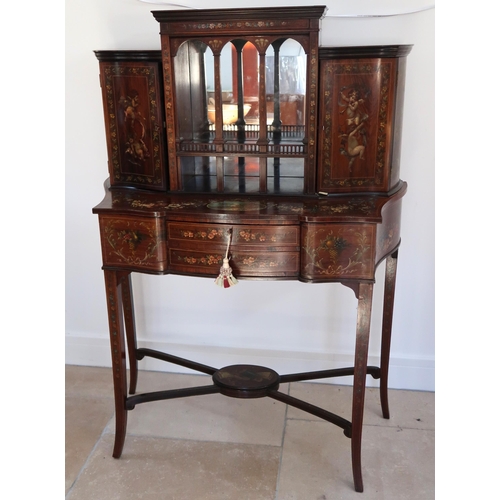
x=353 y=136
x=134 y=126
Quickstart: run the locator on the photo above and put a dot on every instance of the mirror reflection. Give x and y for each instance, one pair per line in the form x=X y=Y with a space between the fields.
x=225 y=108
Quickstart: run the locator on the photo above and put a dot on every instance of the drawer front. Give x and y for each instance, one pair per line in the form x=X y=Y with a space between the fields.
x=255 y=250
x=243 y=263
x=242 y=235
x=336 y=252
x=255 y=264
x=133 y=242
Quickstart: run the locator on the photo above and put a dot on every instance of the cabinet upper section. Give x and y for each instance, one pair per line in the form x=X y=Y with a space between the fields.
x=245 y=101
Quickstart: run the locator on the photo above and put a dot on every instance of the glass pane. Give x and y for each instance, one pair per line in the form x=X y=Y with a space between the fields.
x=198 y=173
x=250 y=58
x=285 y=175
x=241 y=175
x=226 y=82
x=190 y=90
x=286 y=67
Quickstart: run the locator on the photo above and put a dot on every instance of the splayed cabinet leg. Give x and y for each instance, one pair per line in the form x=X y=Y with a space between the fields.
x=361 y=356
x=389 y=289
x=114 y=289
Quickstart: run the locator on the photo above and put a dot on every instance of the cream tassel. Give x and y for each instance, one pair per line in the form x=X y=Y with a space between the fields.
x=226 y=278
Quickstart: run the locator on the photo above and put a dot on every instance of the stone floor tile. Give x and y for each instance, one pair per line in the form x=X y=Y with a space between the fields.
x=167 y=469
x=86 y=418
x=211 y=417
x=398 y=464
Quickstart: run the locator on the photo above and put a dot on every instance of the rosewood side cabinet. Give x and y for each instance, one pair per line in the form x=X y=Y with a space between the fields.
x=244 y=139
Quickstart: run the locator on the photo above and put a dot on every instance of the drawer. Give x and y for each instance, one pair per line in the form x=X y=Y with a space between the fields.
x=336 y=252
x=242 y=235
x=245 y=263
x=133 y=242
x=255 y=250
x=255 y=264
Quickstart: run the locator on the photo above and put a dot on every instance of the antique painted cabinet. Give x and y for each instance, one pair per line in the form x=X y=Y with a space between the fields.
x=243 y=149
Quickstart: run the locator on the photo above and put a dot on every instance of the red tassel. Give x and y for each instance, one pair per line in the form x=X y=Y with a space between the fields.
x=226 y=278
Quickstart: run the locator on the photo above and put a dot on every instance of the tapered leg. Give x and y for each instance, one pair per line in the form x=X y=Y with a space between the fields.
x=359 y=384
x=128 y=312
x=118 y=356
x=389 y=288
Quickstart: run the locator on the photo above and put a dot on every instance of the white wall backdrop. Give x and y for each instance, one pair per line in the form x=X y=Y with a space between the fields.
x=288 y=326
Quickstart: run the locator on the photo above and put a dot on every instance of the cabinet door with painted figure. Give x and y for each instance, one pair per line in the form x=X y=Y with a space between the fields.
x=132 y=91
x=361 y=96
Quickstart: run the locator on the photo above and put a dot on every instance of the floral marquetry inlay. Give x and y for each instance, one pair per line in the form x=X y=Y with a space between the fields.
x=232 y=25
x=205 y=260
x=338 y=251
x=209 y=234
x=267 y=262
x=319 y=206
x=131 y=242
x=240 y=235
x=266 y=235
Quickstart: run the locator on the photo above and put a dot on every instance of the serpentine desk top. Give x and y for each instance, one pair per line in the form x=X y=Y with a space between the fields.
x=229 y=207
